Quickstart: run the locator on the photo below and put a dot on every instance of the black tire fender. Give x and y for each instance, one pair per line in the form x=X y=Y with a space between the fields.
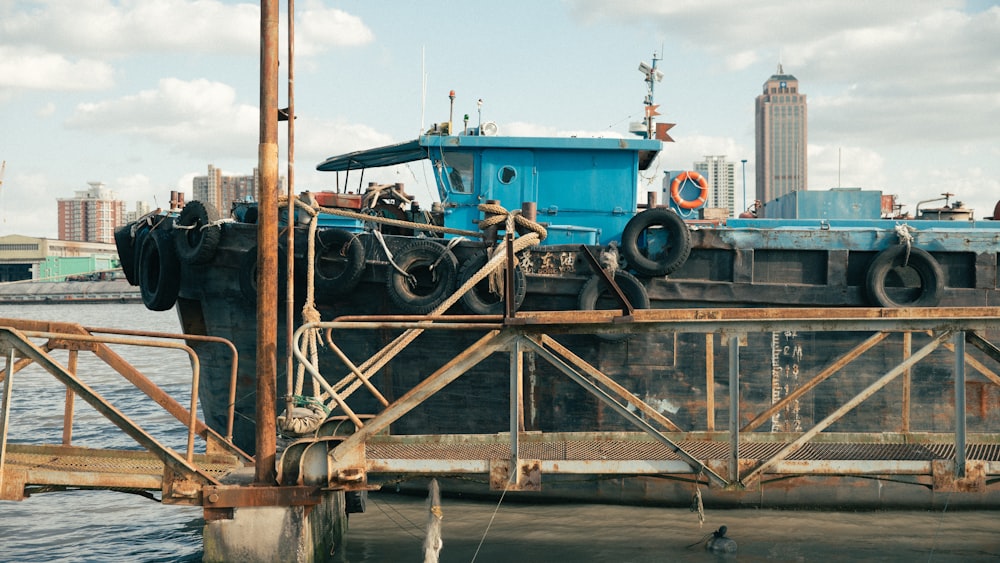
x=890 y=263
x=159 y=270
x=126 y=252
x=479 y=300
x=196 y=243
x=420 y=289
x=678 y=242
x=248 y=274
x=339 y=261
x=595 y=288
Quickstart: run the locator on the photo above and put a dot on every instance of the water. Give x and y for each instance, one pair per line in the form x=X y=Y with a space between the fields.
x=96 y=526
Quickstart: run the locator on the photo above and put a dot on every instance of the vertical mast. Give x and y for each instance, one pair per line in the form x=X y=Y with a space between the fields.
x=267 y=247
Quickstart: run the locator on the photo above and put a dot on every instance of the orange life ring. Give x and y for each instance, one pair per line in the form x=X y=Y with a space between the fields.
x=675 y=190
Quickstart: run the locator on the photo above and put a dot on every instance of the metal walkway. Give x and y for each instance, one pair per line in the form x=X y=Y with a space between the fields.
x=29 y=467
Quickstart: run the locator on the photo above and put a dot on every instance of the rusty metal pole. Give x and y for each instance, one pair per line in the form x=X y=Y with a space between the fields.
x=67 y=437
x=8 y=389
x=267 y=247
x=516 y=406
x=710 y=381
x=959 y=343
x=290 y=264
x=734 y=409
x=907 y=352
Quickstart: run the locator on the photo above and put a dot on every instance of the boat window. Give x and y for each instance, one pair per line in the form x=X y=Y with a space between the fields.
x=460 y=172
x=507 y=174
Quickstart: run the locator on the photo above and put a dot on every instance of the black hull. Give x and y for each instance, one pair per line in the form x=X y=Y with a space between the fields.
x=665 y=369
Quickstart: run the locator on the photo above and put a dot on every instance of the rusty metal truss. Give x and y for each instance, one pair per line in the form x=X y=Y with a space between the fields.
x=352 y=451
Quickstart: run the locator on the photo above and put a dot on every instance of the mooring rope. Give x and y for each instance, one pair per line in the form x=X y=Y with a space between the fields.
x=489 y=524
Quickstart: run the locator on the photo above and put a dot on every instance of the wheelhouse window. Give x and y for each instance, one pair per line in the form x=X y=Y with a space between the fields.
x=459 y=170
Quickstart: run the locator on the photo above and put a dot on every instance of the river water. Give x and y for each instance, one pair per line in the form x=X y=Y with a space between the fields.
x=97 y=526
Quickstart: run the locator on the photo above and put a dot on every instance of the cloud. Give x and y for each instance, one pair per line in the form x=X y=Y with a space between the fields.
x=904 y=73
x=848 y=166
x=105 y=28
x=318 y=29
x=118 y=29
x=32 y=69
x=20 y=212
x=196 y=117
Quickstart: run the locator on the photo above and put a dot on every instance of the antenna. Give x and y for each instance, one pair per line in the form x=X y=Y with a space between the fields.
x=423 y=89
x=652 y=77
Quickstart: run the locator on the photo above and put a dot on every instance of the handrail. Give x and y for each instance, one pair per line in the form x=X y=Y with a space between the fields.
x=63 y=330
x=195 y=369
x=20 y=341
x=234 y=364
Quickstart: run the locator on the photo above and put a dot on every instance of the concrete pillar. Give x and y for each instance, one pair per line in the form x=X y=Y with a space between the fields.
x=264 y=534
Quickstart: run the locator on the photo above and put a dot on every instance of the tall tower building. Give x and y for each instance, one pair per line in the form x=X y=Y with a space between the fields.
x=91 y=216
x=720 y=176
x=781 y=136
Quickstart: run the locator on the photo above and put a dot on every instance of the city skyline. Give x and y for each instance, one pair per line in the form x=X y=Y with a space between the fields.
x=901 y=95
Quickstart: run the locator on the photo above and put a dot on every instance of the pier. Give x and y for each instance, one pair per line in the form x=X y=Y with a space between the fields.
x=355 y=452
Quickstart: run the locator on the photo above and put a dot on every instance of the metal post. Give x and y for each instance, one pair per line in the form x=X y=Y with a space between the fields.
x=290 y=243
x=516 y=406
x=267 y=248
x=734 y=408
x=67 y=438
x=5 y=415
x=907 y=352
x=959 y=342
x=710 y=381
x=744 y=161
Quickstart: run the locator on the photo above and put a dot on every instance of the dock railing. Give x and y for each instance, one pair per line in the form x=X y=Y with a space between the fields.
x=17 y=342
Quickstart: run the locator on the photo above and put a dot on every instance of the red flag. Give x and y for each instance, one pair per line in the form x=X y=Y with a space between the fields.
x=651 y=110
x=661 y=132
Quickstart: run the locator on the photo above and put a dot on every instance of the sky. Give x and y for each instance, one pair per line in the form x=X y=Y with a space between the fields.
x=143 y=95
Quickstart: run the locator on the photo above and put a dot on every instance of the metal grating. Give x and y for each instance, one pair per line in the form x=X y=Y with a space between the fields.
x=119 y=462
x=643 y=450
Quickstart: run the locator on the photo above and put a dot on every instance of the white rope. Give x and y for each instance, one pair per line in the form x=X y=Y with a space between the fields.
x=905 y=234
x=215 y=223
x=433 y=542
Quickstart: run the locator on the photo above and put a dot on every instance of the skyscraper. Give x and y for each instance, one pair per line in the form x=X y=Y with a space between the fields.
x=781 y=135
x=92 y=215
x=721 y=182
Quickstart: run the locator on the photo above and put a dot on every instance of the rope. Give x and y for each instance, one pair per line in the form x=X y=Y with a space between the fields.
x=433 y=541
x=487 y=530
x=375 y=193
x=905 y=234
x=207 y=225
x=302 y=421
x=283 y=202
